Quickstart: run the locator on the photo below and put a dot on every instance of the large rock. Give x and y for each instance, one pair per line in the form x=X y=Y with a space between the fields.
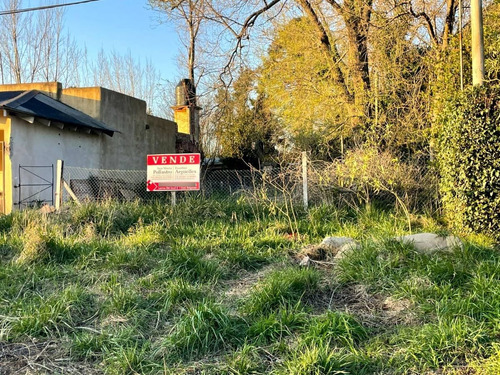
x=330 y=247
x=428 y=243
x=336 y=242
x=340 y=246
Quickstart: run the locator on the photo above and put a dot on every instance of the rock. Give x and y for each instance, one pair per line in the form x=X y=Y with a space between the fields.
x=46 y=209
x=305 y=261
x=337 y=242
x=339 y=246
x=428 y=243
x=345 y=249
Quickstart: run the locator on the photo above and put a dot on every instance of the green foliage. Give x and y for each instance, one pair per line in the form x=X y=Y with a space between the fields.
x=244 y=361
x=448 y=341
x=468 y=140
x=176 y=292
x=50 y=315
x=488 y=366
x=244 y=126
x=296 y=76
x=321 y=359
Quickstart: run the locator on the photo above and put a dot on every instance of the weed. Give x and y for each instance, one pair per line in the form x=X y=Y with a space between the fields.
x=244 y=361
x=281 y=288
x=50 y=315
x=135 y=288
x=205 y=328
x=129 y=359
x=335 y=327
x=316 y=359
x=447 y=341
x=173 y=293
x=488 y=366
x=191 y=264
x=277 y=325
x=34 y=241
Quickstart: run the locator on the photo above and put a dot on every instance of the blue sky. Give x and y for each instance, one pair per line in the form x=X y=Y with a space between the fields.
x=125 y=25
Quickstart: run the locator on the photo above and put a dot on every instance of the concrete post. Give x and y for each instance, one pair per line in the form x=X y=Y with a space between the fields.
x=304 y=180
x=59 y=184
x=477 y=42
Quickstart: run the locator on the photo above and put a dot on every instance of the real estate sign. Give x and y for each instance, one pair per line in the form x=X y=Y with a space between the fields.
x=173 y=172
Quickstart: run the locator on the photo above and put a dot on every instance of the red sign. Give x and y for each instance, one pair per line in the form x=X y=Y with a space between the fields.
x=170 y=159
x=173 y=172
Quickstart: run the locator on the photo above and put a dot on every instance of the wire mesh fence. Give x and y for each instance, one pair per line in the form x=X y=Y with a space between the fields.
x=345 y=182
x=89 y=185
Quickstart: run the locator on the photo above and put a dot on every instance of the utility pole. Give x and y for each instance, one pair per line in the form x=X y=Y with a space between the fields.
x=477 y=42
x=460 y=23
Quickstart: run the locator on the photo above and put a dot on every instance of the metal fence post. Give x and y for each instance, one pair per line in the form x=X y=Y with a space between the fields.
x=304 y=179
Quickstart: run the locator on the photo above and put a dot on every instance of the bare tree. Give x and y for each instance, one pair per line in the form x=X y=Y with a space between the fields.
x=35 y=47
x=125 y=74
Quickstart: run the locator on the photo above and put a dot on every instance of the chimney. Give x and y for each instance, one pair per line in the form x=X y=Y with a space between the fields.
x=186 y=112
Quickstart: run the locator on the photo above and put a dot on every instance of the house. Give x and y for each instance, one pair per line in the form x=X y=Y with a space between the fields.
x=92 y=127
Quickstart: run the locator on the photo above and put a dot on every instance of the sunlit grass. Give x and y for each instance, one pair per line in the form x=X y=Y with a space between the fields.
x=211 y=287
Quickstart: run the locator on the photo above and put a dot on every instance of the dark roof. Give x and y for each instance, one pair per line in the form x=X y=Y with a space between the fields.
x=36 y=104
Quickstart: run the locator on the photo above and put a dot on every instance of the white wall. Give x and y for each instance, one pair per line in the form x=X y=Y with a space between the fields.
x=40 y=145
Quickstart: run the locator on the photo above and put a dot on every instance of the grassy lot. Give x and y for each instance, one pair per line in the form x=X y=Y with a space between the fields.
x=213 y=288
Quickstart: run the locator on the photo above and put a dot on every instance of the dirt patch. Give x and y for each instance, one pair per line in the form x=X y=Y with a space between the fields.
x=47 y=357
x=237 y=288
x=373 y=309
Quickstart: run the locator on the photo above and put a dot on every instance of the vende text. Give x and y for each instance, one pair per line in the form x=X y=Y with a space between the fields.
x=173 y=159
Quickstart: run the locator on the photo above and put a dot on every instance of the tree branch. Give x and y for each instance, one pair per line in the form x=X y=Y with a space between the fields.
x=243 y=33
x=329 y=47
x=428 y=23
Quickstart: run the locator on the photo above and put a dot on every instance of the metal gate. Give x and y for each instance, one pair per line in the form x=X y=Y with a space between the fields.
x=36 y=185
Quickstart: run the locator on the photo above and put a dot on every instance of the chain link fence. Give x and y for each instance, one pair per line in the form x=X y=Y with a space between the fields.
x=90 y=185
x=343 y=182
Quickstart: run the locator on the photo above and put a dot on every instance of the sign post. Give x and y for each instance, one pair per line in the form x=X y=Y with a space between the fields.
x=173 y=172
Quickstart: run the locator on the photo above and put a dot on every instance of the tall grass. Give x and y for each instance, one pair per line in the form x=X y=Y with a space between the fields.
x=210 y=287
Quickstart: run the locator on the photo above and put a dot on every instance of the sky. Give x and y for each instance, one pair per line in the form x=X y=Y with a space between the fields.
x=123 y=26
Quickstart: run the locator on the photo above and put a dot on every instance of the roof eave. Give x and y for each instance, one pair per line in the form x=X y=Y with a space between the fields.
x=49 y=122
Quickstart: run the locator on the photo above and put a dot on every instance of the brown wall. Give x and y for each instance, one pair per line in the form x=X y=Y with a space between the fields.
x=138 y=134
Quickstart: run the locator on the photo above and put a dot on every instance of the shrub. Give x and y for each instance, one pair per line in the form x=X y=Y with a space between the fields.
x=382 y=175
x=468 y=142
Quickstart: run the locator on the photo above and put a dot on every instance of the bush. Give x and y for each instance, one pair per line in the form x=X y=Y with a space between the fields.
x=468 y=140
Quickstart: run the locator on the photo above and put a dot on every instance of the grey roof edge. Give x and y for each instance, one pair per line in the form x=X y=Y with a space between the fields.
x=86 y=121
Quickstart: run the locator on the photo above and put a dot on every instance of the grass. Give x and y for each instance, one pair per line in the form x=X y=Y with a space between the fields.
x=212 y=287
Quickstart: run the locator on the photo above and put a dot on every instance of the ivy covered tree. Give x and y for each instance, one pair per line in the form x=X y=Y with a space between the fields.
x=297 y=80
x=244 y=126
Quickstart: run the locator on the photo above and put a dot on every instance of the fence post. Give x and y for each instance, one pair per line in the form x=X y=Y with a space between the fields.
x=304 y=179
x=174 y=199
x=59 y=185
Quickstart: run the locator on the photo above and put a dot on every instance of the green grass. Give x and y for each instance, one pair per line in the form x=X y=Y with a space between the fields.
x=281 y=288
x=211 y=287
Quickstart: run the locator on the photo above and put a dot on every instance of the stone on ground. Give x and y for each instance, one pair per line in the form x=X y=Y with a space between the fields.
x=428 y=243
